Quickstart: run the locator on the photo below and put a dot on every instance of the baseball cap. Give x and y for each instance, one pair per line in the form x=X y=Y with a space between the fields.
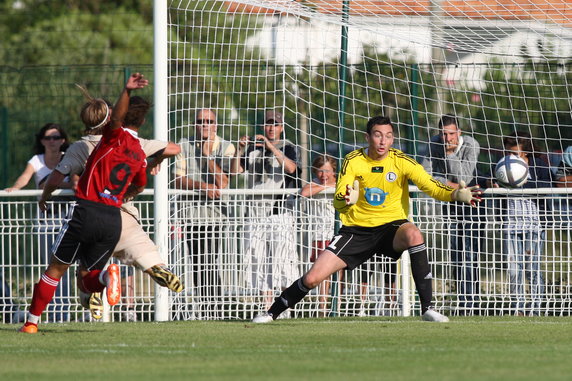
x=274 y=116
x=567 y=156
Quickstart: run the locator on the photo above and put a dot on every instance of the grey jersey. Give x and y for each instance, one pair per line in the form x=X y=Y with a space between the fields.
x=460 y=165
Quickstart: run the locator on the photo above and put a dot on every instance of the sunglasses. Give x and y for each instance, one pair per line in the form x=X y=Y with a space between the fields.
x=52 y=137
x=205 y=121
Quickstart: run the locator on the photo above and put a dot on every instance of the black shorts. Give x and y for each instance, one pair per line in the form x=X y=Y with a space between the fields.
x=89 y=235
x=355 y=244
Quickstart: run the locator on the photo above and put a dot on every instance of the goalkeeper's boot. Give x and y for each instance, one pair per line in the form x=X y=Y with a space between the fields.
x=432 y=315
x=263 y=318
x=113 y=284
x=29 y=328
x=166 y=278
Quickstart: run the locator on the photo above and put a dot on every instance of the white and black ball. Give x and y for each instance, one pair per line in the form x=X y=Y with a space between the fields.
x=511 y=172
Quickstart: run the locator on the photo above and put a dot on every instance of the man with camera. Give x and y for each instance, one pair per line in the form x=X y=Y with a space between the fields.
x=269 y=162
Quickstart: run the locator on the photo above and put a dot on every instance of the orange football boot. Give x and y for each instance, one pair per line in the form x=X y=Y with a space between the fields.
x=113 y=284
x=30 y=328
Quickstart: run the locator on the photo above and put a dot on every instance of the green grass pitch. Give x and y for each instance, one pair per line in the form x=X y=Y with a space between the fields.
x=468 y=348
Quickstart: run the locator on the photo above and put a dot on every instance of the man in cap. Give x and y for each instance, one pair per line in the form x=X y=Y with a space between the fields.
x=269 y=162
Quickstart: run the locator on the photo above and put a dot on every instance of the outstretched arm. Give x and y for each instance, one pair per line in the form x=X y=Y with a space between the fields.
x=171 y=150
x=135 y=81
x=467 y=195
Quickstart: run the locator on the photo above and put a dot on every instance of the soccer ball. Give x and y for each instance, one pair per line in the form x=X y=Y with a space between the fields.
x=511 y=171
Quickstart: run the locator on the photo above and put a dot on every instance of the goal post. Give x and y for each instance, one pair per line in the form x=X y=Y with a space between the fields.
x=497 y=68
x=161 y=132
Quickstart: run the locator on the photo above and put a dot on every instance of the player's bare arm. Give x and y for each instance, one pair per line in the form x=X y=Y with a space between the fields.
x=52 y=183
x=135 y=81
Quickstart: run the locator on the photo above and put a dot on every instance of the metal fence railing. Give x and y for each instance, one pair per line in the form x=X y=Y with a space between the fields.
x=493 y=260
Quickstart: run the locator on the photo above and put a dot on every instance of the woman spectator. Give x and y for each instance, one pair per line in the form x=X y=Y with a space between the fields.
x=322 y=212
x=49 y=147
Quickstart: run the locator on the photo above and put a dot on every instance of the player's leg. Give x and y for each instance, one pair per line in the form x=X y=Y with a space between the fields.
x=64 y=252
x=408 y=237
x=326 y=264
x=43 y=293
x=349 y=249
x=136 y=248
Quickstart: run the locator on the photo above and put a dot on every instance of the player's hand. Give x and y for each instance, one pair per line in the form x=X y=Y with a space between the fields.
x=43 y=204
x=136 y=81
x=155 y=169
x=467 y=195
x=352 y=193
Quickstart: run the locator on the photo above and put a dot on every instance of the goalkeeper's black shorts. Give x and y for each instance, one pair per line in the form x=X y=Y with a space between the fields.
x=355 y=244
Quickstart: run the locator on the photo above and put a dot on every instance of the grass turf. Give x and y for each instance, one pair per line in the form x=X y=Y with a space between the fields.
x=468 y=348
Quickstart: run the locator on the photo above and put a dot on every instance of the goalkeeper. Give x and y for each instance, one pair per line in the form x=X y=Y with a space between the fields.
x=372 y=198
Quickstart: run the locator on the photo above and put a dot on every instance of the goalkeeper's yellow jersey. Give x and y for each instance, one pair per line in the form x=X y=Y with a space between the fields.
x=383 y=187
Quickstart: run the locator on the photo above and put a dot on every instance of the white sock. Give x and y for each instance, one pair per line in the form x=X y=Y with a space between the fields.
x=34 y=319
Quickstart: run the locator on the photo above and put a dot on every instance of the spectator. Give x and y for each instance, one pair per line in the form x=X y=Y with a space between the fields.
x=203 y=166
x=452 y=158
x=564 y=172
x=322 y=215
x=270 y=162
x=523 y=233
x=564 y=180
x=50 y=144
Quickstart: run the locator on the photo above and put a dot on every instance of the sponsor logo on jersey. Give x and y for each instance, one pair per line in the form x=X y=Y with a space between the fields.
x=376 y=169
x=375 y=196
x=391 y=176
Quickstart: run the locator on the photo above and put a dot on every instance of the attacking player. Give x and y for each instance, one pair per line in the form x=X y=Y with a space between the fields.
x=116 y=167
x=134 y=246
x=372 y=198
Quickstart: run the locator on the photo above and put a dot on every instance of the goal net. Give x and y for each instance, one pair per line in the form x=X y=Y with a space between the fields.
x=240 y=228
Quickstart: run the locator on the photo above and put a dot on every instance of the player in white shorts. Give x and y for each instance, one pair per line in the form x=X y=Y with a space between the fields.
x=134 y=246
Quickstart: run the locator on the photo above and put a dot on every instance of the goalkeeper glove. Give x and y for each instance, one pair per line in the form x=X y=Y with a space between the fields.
x=352 y=193
x=468 y=195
